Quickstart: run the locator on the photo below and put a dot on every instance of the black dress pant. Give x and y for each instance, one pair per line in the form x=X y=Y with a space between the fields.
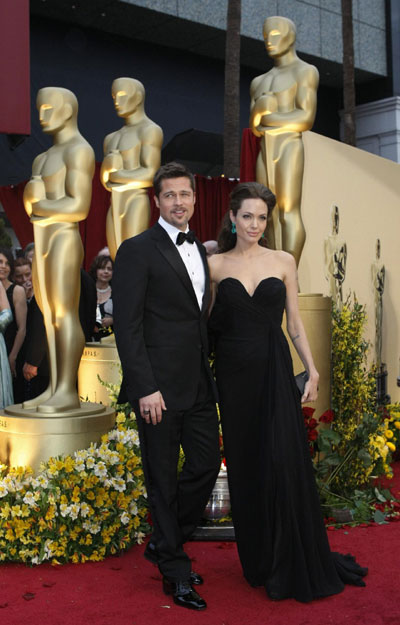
x=177 y=502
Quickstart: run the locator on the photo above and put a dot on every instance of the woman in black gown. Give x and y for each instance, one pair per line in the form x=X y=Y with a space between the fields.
x=280 y=534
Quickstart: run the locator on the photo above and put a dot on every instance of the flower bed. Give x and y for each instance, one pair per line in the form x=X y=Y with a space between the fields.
x=81 y=507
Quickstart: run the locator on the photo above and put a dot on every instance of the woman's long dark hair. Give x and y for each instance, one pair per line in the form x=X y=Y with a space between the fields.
x=9 y=255
x=243 y=191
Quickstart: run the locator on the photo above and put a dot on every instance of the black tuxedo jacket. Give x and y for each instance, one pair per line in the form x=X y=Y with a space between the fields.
x=160 y=331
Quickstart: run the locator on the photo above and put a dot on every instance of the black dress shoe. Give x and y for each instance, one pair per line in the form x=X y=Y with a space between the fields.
x=150 y=553
x=184 y=595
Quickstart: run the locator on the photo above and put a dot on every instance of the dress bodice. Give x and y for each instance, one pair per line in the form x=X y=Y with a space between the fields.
x=238 y=314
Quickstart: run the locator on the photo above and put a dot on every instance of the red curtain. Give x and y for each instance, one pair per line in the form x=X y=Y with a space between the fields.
x=15 y=101
x=211 y=204
x=248 y=156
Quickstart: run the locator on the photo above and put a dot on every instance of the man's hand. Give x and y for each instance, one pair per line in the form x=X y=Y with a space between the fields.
x=29 y=371
x=151 y=407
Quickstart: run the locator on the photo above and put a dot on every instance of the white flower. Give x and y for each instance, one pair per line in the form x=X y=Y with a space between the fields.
x=118 y=484
x=133 y=509
x=29 y=498
x=129 y=477
x=81 y=455
x=90 y=462
x=113 y=457
x=47 y=549
x=42 y=481
x=64 y=509
x=84 y=509
x=139 y=536
x=100 y=469
x=93 y=528
x=35 y=560
x=125 y=518
x=74 y=511
x=3 y=489
x=79 y=465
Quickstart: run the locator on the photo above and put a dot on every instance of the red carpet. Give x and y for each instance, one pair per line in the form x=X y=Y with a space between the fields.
x=127 y=590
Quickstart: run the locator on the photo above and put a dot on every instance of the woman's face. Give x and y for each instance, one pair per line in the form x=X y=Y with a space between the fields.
x=105 y=273
x=4 y=267
x=250 y=220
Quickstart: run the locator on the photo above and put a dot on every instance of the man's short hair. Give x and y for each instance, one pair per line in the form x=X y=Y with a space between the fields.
x=172 y=170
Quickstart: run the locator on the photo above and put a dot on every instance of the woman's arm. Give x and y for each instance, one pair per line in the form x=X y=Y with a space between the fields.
x=20 y=308
x=4 y=303
x=5 y=312
x=296 y=330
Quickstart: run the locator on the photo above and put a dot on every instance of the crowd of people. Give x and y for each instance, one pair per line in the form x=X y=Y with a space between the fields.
x=23 y=347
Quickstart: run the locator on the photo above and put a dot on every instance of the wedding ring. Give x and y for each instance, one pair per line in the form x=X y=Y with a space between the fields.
x=146 y=411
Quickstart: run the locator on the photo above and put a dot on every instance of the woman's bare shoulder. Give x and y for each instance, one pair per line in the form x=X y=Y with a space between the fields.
x=215 y=263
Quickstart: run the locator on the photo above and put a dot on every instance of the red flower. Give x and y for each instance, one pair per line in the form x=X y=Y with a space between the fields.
x=308 y=411
x=327 y=416
x=312 y=435
x=312 y=423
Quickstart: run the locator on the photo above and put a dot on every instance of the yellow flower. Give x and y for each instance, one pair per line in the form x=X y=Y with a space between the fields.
x=397 y=424
x=388 y=433
x=391 y=446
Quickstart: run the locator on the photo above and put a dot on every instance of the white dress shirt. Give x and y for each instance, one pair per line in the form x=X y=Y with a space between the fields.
x=190 y=255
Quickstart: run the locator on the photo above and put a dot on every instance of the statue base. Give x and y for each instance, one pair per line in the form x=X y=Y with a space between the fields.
x=316 y=314
x=28 y=438
x=381 y=385
x=99 y=360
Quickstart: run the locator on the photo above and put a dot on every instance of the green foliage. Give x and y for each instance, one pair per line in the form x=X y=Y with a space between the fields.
x=357 y=448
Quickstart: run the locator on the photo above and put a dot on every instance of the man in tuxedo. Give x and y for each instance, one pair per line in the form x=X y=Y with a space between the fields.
x=161 y=297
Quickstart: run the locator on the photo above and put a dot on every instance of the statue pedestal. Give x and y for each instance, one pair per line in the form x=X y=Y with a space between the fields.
x=27 y=438
x=99 y=360
x=315 y=312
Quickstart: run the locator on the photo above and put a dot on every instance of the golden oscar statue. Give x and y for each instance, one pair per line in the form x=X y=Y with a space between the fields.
x=132 y=155
x=56 y=198
x=335 y=249
x=283 y=105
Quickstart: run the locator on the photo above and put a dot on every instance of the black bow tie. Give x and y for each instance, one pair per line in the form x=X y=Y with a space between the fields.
x=188 y=236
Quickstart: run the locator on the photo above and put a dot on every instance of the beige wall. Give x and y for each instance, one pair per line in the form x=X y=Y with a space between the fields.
x=366 y=188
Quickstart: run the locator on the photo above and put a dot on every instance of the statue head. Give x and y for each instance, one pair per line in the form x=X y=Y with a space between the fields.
x=279 y=35
x=57 y=107
x=335 y=219
x=128 y=95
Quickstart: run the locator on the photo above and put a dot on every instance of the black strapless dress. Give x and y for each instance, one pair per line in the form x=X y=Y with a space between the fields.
x=280 y=533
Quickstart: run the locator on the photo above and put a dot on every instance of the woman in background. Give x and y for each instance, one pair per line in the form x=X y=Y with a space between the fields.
x=101 y=271
x=15 y=333
x=6 y=388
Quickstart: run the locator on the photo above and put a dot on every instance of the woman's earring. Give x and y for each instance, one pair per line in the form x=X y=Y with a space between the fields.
x=233 y=228
x=263 y=235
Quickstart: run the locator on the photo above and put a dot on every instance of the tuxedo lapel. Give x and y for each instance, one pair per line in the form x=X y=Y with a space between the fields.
x=171 y=254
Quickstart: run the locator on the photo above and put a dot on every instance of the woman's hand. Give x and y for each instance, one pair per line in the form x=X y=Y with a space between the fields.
x=311 y=389
x=12 y=361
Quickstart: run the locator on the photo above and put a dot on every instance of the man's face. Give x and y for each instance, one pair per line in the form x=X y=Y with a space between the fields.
x=49 y=103
x=277 y=36
x=22 y=274
x=176 y=201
